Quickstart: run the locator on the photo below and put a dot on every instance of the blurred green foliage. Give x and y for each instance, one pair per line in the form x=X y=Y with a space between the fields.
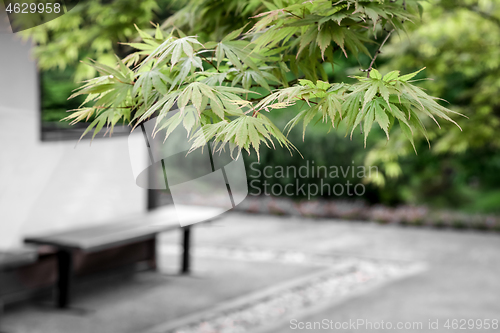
x=92 y=29
x=459 y=43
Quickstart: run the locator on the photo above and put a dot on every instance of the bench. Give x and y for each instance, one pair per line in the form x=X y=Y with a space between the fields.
x=12 y=259
x=138 y=229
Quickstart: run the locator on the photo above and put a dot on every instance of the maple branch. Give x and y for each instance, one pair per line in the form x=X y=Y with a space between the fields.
x=210 y=62
x=378 y=52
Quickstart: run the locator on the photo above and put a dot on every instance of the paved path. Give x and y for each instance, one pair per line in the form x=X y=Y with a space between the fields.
x=462 y=282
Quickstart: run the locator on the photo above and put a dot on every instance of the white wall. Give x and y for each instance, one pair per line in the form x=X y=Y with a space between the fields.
x=53 y=185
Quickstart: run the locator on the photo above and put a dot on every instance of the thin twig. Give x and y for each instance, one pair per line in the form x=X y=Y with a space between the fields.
x=378 y=52
x=210 y=62
x=289 y=12
x=305 y=100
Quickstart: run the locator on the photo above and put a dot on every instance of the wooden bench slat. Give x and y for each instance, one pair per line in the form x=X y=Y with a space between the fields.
x=98 y=237
x=133 y=228
x=17 y=257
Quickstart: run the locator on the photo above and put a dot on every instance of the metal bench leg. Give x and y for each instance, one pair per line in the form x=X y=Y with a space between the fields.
x=1 y=314
x=65 y=271
x=186 y=247
x=153 y=261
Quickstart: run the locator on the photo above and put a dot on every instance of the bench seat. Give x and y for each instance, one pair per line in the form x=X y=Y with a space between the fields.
x=134 y=229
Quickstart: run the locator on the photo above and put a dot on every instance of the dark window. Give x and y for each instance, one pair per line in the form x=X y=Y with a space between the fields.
x=56 y=86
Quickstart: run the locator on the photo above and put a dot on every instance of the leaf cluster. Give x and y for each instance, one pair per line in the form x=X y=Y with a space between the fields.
x=223 y=87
